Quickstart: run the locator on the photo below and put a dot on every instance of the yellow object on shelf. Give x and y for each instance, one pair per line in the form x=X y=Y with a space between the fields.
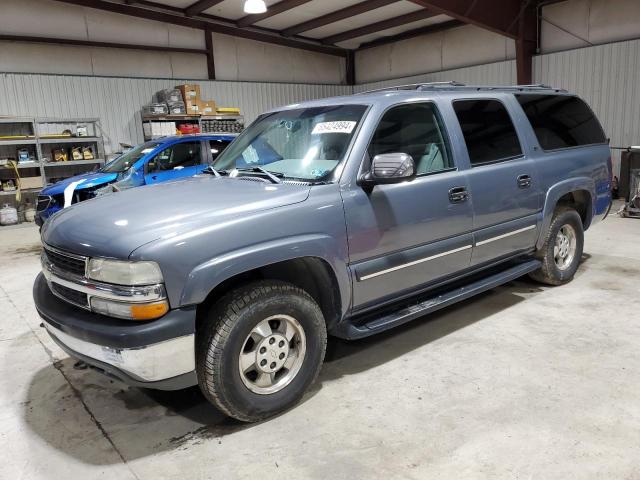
x=228 y=110
x=15 y=137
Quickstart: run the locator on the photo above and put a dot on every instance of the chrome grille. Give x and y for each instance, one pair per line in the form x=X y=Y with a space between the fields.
x=66 y=263
x=70 y=295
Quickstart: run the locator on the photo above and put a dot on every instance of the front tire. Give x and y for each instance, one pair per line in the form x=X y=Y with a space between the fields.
x=562 y=249
x=259 y=349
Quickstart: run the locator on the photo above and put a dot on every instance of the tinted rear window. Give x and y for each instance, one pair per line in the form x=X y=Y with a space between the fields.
x=488 y=130
x=561 y=121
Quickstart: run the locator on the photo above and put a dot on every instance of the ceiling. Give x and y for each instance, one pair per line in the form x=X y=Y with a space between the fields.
x=357 y=27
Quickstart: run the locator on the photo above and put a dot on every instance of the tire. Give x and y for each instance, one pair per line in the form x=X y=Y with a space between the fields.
x=554 y=270
x=237 y=324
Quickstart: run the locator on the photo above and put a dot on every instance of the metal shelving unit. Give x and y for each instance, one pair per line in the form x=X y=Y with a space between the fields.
x=40 y=135
x=200 y=120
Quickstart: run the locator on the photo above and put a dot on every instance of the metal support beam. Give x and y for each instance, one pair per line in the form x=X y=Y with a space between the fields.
x=336 y=16
x=200 y=6
x=493 y=15
x=201 y=23
x=438 y=27
x=91 y=43
x=378 y=26
x=275 y=9
x=351 y=67
x=527 y=42
x=211 y=64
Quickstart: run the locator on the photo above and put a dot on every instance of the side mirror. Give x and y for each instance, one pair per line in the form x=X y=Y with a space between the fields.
x=389 y=168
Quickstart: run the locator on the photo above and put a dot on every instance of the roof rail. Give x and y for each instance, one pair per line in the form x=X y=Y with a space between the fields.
x=452 y=85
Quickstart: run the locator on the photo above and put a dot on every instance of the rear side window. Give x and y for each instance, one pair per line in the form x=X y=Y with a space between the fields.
x=488 y=131
x=561 y=121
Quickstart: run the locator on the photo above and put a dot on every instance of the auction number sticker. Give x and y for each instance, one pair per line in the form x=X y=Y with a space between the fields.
x=333 y=127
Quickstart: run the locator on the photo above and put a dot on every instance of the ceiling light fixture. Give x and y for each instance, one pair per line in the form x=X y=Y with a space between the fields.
x=255 y=6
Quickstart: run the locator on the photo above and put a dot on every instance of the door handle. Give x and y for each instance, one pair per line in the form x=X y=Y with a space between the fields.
x=524 y=181
x=154 y=177
x=458 y=194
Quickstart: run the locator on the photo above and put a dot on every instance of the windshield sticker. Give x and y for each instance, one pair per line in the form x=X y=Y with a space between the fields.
x=333 y=127
x=147 y=150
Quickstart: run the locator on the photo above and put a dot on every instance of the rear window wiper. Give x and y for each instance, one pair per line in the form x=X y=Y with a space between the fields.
x=273 y=176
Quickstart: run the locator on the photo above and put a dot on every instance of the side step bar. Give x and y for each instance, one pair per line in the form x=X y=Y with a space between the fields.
x=406 y=314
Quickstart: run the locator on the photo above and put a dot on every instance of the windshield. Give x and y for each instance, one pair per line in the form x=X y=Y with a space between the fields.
x=125 y=161
x=306 y=143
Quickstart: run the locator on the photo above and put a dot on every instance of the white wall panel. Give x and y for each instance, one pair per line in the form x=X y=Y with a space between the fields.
x=117 y=101
x=241 y=59
x=457 y=47
x=499 y=73
x=35 y=58
x=579 y=23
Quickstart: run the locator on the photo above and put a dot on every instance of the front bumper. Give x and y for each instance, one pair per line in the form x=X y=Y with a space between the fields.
x=155 y=354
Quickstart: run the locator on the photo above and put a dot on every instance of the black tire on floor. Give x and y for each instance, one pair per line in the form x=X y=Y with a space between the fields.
x=221 y=339
x=549 y=273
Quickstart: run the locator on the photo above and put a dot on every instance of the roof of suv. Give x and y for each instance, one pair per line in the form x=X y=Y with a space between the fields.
x=390 y=95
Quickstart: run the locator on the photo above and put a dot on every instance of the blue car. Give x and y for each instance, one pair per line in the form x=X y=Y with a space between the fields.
x=155 y=161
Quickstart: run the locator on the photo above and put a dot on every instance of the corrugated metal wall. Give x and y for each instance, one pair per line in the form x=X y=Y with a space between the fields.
x=608 y=78
x=117 y=101
x=499 y=73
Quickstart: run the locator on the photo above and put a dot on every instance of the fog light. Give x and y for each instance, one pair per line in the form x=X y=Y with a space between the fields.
x=129 y=311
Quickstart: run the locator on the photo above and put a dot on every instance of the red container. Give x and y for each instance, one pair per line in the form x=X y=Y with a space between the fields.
x=188 y=128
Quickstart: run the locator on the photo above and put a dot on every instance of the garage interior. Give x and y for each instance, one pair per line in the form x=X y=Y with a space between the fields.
x=523 y=381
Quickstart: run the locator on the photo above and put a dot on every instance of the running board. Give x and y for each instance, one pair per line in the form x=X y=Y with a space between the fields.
x=406 y=314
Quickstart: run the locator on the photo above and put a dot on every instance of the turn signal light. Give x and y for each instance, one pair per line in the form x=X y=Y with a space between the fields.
x=149 y=311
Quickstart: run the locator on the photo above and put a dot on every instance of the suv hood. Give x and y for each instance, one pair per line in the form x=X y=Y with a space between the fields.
x=89 y=180
x=114 y=225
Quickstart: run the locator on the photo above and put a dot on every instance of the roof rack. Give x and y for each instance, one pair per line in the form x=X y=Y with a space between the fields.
x=452 y=85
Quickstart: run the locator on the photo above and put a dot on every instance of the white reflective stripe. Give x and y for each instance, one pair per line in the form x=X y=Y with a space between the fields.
x=68 y=192
x=505 y=235
x=415 y=262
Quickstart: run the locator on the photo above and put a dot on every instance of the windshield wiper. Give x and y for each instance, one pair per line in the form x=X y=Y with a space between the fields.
x=211 y=171
x=273 y=176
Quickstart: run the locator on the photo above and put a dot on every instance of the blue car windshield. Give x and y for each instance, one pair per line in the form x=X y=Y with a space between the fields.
x=125 y=161
x=305 y=144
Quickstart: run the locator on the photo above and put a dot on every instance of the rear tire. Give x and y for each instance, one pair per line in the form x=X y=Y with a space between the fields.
x=562 y=249
x=259 y=349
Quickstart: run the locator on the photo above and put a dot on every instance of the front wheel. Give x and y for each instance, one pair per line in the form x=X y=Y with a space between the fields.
x=562 y=249
x=259 y=349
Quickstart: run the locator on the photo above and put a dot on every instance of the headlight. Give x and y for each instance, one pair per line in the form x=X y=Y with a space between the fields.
x=129 y=311
x=124 y=273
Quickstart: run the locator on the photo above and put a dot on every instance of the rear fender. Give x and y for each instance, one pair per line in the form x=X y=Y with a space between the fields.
x=556 y=192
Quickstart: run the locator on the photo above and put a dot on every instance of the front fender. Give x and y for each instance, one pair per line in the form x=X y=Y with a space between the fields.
x=555 y=192
x=206 y=276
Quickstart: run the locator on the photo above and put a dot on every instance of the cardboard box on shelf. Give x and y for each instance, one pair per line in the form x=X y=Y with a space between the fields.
x=192 y=107
x=189 y=92
x=30 y=182
x=207 y=107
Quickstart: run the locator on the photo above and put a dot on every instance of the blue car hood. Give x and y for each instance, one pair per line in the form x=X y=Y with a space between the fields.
x=91 y=179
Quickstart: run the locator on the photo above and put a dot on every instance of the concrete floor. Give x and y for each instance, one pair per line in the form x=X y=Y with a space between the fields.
x=521 y=382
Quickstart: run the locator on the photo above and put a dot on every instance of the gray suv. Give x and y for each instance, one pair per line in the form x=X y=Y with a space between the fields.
x=344 y=216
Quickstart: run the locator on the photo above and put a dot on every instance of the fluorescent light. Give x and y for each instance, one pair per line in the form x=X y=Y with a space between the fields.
x=254 y=6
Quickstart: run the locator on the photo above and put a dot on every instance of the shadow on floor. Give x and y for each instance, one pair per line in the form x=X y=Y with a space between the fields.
x=144 y=422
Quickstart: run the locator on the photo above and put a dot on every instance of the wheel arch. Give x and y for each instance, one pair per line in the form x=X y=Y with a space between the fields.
x=311 y=262
x=579 y=193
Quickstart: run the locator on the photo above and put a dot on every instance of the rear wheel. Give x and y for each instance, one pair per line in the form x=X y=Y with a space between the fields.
x=562 y=249
x=260 y=349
